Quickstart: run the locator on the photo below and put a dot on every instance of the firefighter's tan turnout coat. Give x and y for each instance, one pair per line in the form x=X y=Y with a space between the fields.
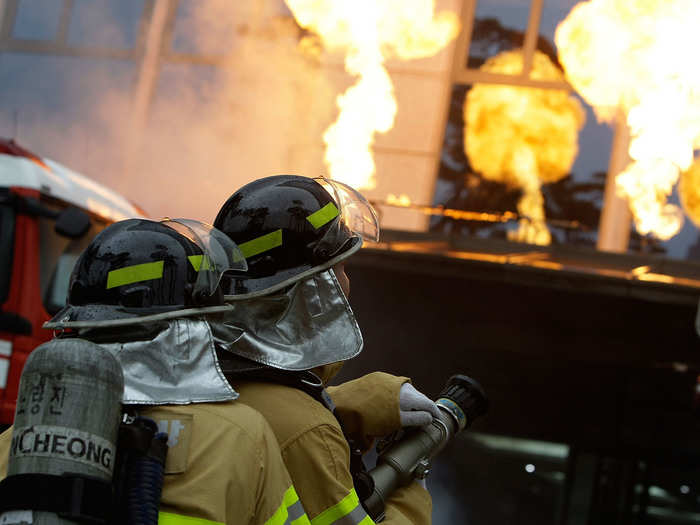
x=317 y=455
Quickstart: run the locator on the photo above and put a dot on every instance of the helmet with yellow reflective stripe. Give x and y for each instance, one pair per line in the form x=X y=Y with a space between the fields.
x=289 y=227
x=139 y=267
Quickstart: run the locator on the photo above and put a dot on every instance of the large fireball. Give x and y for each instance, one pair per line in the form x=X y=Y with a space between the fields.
x=638 y=58
x=523 y=137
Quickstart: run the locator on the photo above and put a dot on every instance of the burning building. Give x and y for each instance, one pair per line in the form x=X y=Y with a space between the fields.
x=525 y=159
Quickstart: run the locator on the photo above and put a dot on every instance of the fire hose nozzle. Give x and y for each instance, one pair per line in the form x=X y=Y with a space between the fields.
x=460 y=402
x=464 y=400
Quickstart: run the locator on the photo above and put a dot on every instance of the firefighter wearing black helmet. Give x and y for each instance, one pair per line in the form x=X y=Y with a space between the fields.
x=140 y=290
x=289 y=331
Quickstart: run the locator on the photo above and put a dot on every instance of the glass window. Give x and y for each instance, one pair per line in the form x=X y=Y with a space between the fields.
x=571 y=191
x=667 y=494
x=37 y=19
x=105 y=23
x=553 y=12
x=630 y=490
x=501 y=480
x=498 y=26
x=535 y=159
x=209 y=27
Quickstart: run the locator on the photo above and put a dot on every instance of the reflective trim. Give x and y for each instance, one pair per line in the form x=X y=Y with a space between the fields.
x=303 y=520
x=196 y=262
x=261 y=244
x=347 y=512
x=295 y=510
x=300 y=277
x=323 y=216
x=135 y=274
x=167 y=518
x=4 y=371
x=5 y=352
x=290 y=512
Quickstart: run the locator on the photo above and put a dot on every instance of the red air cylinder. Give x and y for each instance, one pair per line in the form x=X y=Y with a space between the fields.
x=67 y=417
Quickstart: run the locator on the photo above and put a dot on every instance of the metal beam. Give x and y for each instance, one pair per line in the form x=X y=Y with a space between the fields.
x=195 y=59
x=17 y=45
x=9 y=13
x=474 y=76
x=2 y=13
x=64 y=22
x=615 y=217
x=531 y=36
x=458 y=62
x=464 y=39
x=147 y=79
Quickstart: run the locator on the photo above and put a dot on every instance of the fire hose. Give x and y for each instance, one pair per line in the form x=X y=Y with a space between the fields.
x=408 y=458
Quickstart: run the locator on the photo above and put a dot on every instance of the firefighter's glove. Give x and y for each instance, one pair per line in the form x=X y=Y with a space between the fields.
x=415 y=409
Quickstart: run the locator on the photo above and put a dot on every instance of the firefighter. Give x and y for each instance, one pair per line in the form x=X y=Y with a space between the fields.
x=139 y=290
x=289 y=332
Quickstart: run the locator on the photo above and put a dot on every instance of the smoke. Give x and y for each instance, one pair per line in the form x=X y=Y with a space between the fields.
x=210 y=129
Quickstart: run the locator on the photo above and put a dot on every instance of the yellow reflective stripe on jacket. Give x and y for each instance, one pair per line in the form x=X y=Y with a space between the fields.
x=168 y=518
x=323 y=216
x=135 y=274
x=348 y=512
x=290 y=512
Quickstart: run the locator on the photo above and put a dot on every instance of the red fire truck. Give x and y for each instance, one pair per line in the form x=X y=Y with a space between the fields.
x=48 y=215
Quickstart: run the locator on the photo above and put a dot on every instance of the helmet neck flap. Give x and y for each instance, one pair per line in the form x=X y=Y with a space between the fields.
x=310 y=324
x=172 y=362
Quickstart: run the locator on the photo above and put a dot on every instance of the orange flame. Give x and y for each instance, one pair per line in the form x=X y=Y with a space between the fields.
x=689 y=191
x=369 y=32
x=523 y=137
x=402 y=200
x=629 y=56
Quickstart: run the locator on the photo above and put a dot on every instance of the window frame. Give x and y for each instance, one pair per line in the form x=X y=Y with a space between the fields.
x=615 y=216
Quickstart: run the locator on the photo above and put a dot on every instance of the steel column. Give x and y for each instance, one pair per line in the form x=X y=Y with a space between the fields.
x=615 y=217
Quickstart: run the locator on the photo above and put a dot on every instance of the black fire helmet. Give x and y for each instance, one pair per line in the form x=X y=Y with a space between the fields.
x=139 y=267
x=289 y=227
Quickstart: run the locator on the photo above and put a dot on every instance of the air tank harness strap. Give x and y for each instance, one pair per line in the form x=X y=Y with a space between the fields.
x=71 y=496
x=311 y=384
x=139 y=470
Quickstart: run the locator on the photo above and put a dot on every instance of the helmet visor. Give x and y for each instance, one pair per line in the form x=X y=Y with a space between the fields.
x=219 y=253
x=357 y=213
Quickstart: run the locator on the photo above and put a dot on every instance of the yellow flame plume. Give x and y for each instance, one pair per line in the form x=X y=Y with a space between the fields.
x=638 y=57
x=689 y=190
x=369 y=32
x=523 y=137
